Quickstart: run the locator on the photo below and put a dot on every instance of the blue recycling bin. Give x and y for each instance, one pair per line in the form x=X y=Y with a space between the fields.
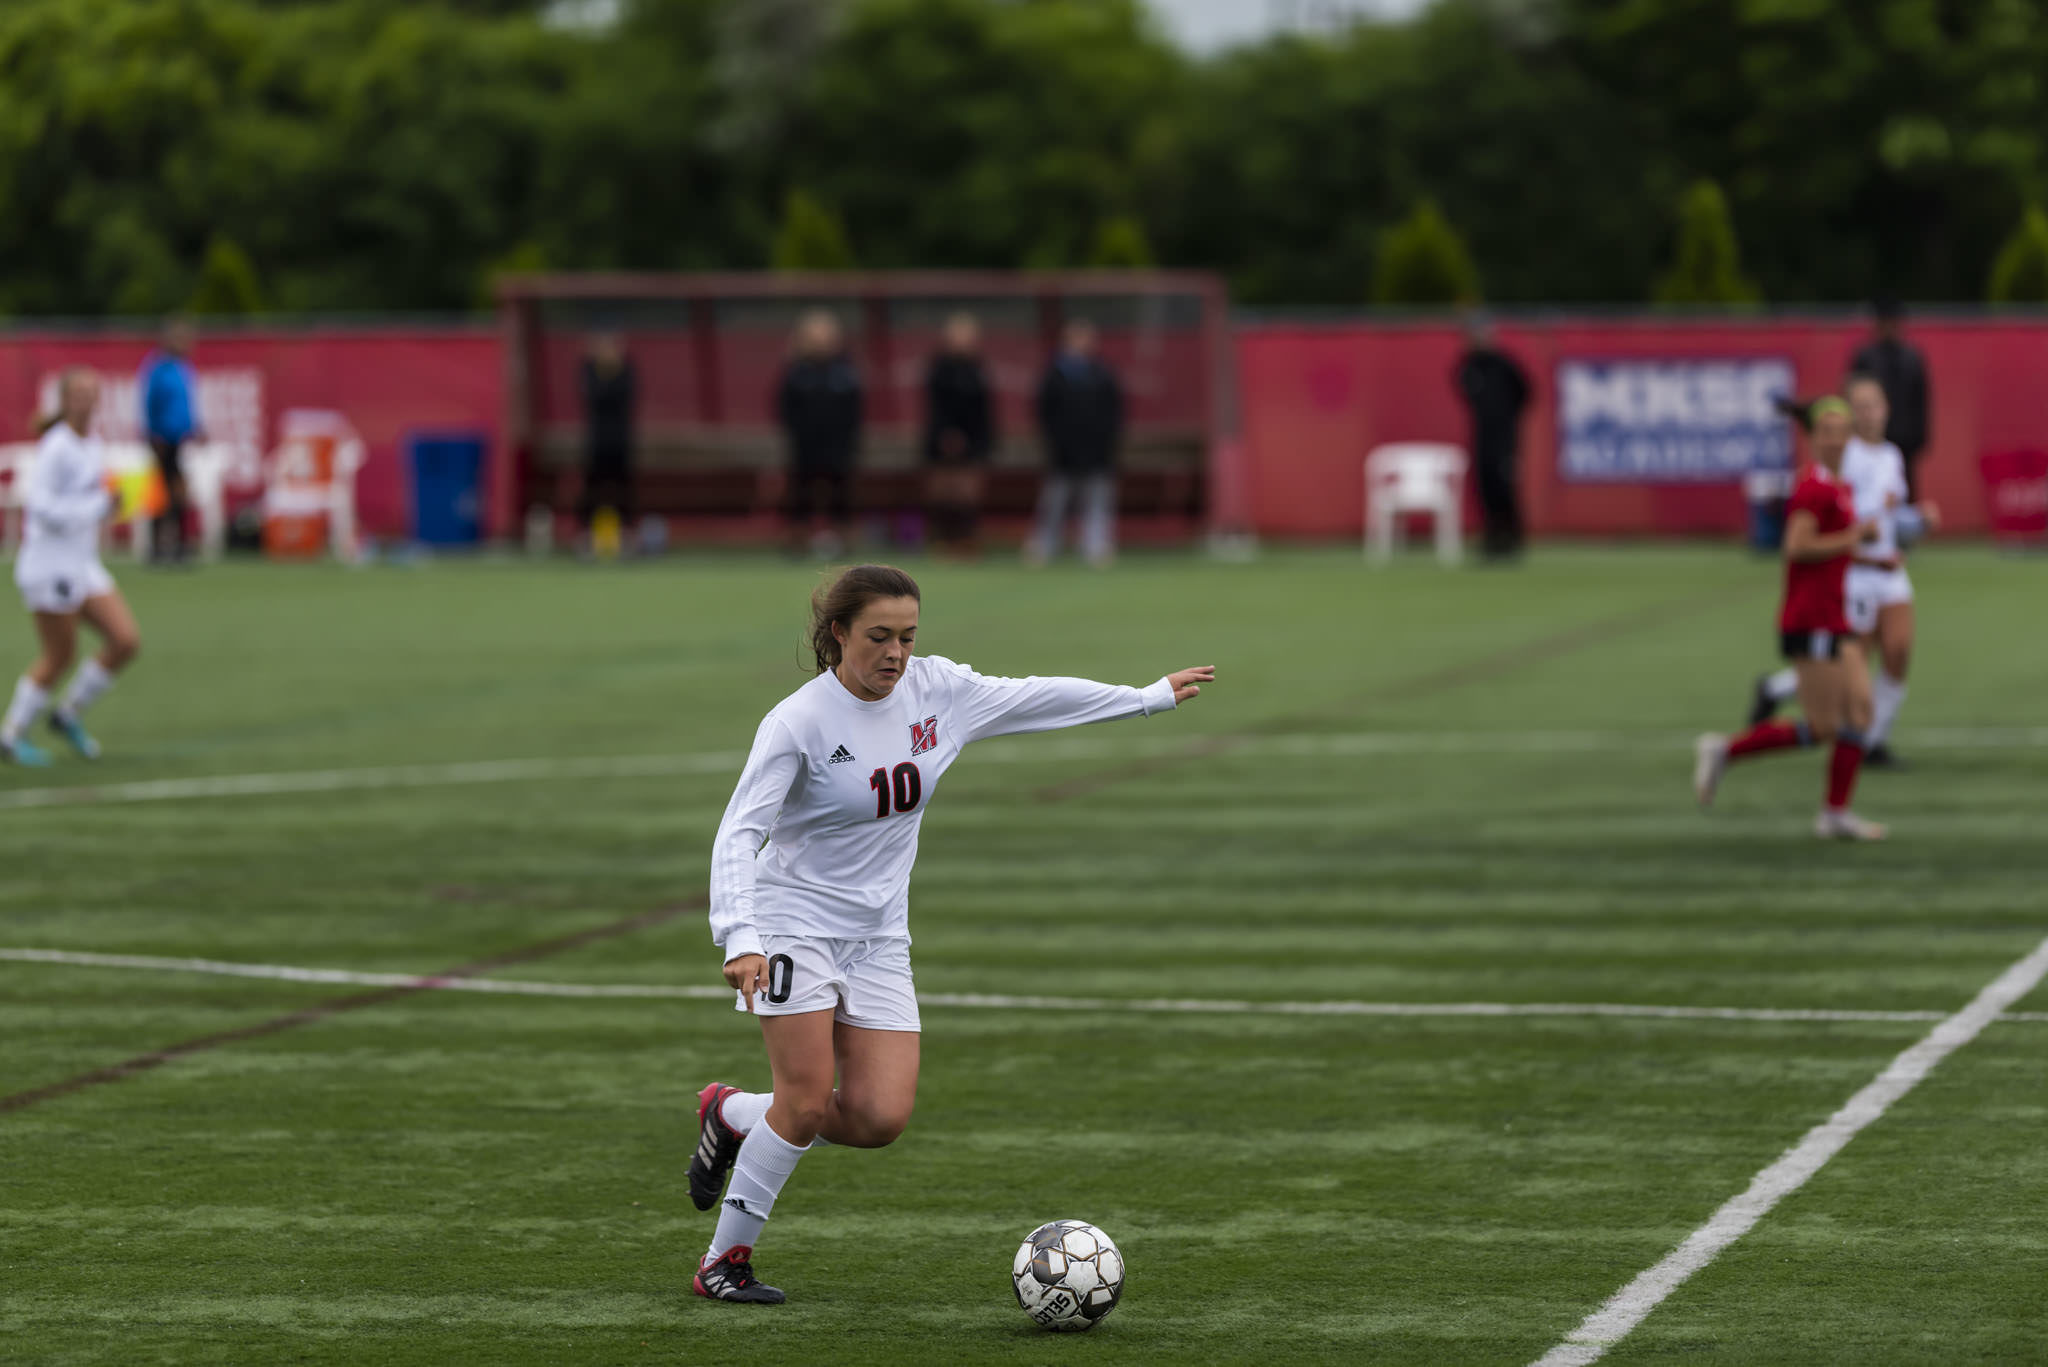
x=447 y=487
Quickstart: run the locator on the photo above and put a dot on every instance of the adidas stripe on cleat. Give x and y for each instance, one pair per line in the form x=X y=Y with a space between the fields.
x=731 y=1278
x=718 y=1146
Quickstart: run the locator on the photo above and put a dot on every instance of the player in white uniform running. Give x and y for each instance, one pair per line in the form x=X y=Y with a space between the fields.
x=1878 y=592
x=64 y=501
x=814 y=923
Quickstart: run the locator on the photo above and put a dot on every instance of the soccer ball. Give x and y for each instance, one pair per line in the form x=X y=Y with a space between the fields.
x=1067 y=1275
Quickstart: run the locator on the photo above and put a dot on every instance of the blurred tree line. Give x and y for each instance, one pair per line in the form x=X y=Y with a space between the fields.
x=249 y=155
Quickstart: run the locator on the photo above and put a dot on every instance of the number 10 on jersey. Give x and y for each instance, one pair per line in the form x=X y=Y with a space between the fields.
x=903 y=787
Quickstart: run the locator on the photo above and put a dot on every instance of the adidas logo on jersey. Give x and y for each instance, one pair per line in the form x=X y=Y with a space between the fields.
x=841 y=756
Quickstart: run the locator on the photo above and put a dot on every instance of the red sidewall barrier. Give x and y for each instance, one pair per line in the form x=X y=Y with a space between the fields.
x=388 y=382
x=1316 y=398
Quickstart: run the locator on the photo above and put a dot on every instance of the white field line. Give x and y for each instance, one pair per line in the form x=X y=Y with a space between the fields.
x=1628 y=1307
x=1296 y=745
x=985 y=1001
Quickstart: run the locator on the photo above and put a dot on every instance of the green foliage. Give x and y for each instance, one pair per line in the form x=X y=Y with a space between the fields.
x=1707 y=268
x=1422 y=262
x=2020 y=273
x=811 y=237
x=227 y=281
x=524 y=258
x=1120 y=241
x=373 y=154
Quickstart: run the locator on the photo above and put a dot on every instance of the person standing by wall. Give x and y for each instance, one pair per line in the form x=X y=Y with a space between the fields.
x=170 y=420
x=1901 y=371
x=959 y=435
x=820 y=405
x=1081 y=413
x=1495 y=390
x=609 y=394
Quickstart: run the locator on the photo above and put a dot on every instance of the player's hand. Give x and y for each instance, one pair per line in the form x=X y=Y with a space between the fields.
x=1187 y=683
x=747 y=975
x=1869 y=529
x=1930 y=513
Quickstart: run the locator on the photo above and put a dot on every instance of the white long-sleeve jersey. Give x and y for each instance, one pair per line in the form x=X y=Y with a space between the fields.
x=1876 y=475
x=837 y=787
x=64 y=499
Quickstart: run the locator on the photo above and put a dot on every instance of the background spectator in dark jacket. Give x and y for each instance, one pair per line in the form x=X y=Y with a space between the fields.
x=609 y=393
x=1495 y=390
x=170 y=419
x=1081 y=413
x=959 y=436
x=819 y=405
x=1902 y=372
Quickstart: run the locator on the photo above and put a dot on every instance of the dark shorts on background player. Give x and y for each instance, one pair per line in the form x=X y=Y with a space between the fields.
x=1810 y=645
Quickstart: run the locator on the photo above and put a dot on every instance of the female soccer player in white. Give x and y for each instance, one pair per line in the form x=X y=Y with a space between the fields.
x=62 y=580
x=1880 y=595
x=815 y=923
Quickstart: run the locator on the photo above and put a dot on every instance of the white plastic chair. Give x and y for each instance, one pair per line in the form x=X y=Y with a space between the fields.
x=1415 y=477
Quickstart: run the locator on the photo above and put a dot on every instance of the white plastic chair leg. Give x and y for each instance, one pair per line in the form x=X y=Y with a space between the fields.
x=341 y=527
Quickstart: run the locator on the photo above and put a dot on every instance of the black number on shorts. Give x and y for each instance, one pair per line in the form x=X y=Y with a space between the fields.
x=904 y=787
x=778 y=987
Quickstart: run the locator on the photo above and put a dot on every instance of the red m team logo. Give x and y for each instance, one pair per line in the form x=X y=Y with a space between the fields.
x=924 y=735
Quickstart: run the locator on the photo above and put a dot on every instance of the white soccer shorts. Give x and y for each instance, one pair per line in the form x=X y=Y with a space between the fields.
x=865 y=983
x=1871 y=589
x=61 y=588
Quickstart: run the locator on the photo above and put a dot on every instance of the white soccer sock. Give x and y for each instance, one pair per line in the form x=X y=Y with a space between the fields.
x=742 y=1111
x=87 y=686
x=1782 y=686
x=1887 y=695
x=28 y=704
x=766 y=1160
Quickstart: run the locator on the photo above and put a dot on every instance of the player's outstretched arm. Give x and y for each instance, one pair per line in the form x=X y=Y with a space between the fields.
x=992 y=706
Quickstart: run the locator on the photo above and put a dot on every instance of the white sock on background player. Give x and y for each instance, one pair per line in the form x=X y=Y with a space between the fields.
x=28 y=704
x=766 y=1160
x=88 y=685
x=742 y=1111
x=1887 y=695
x=1782 y=686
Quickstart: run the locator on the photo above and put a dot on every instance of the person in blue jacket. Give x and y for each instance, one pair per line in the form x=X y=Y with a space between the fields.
x=170 y=418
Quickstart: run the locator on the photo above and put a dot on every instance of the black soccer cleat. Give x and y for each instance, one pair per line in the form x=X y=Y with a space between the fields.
x=731 y=1278
x=1880 y=756
x=718 y=1145
x=1762 y=706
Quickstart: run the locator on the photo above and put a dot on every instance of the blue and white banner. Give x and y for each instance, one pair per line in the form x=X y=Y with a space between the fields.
x=1672 y=421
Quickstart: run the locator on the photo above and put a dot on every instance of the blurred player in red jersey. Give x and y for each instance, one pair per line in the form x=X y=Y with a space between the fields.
x=1822 y=533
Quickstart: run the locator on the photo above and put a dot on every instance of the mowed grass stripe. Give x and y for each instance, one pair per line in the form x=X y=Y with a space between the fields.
x=1302 y=746
x=981 y=1000
x=291 y=1020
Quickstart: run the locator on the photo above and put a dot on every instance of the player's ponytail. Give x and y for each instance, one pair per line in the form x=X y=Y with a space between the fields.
x=842 y=600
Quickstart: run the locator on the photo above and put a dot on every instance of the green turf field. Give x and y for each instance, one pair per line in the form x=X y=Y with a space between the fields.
x=1406 y=787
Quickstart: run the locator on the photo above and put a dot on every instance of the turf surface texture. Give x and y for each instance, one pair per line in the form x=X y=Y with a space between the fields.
x=1406 y=786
